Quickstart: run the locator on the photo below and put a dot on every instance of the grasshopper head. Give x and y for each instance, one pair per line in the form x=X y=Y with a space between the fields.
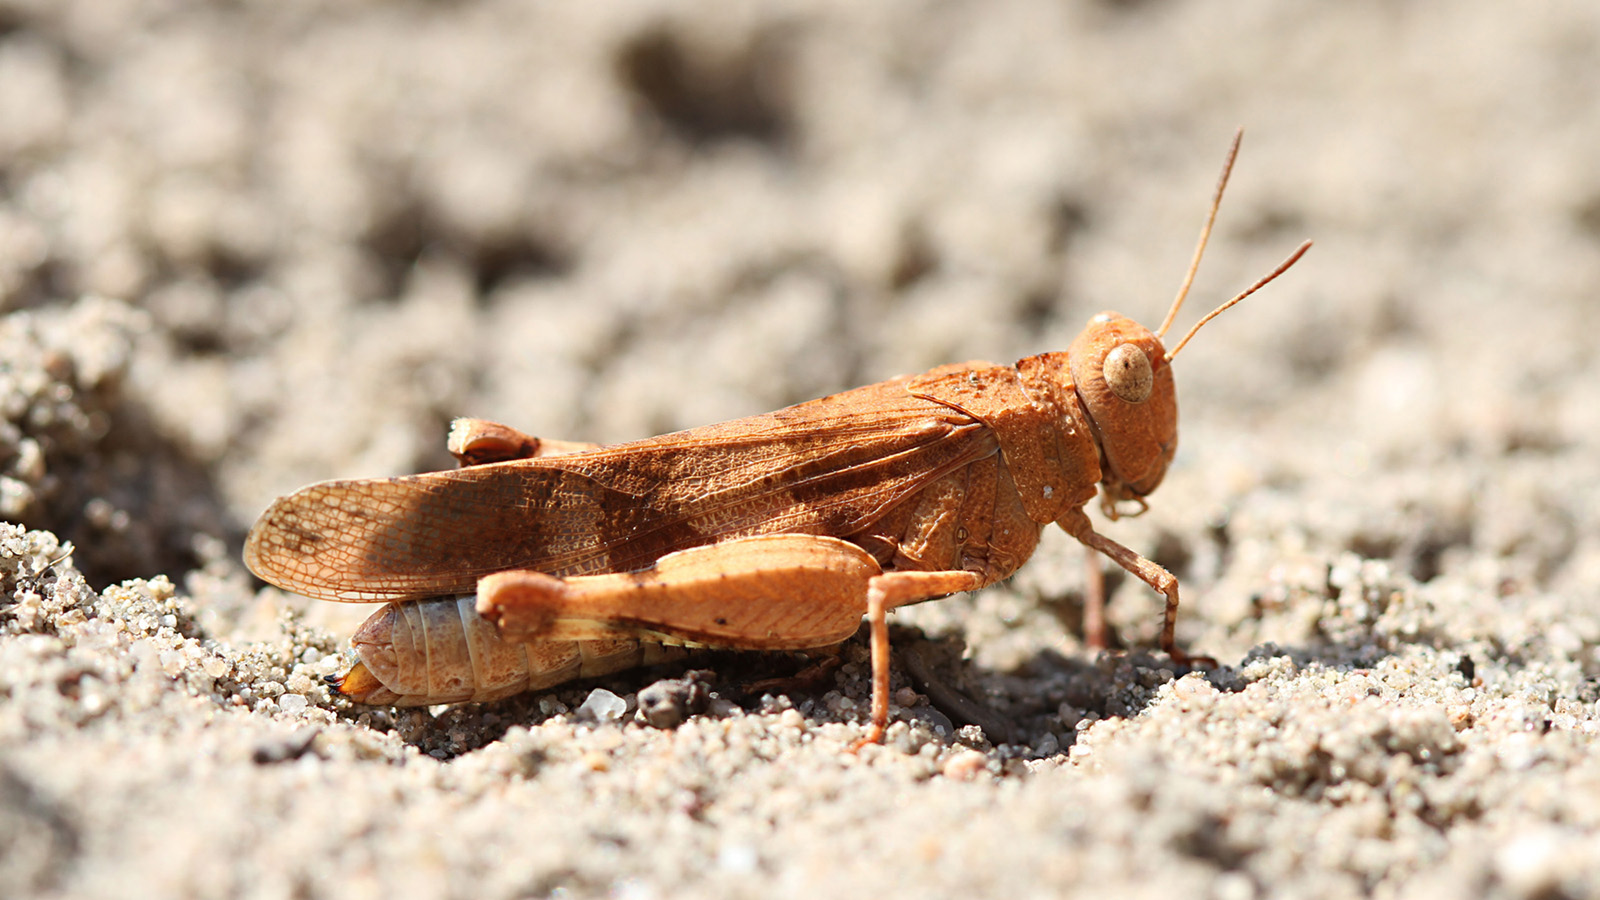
x=1124 y=381
x=1123 y=376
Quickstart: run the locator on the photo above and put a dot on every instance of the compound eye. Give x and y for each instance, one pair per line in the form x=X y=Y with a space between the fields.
x=1128 y=374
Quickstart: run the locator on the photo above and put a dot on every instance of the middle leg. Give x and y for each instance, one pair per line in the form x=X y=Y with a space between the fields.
x=884 y=593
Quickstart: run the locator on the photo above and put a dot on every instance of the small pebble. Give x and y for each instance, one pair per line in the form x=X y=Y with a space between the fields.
x=283 y=748
x=602 y=706
x=965 y=766
x=738 y=858
x=668 y=702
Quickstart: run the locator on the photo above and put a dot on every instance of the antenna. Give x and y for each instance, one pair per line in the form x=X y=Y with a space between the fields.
x=1282 y=267
x=1205 y=235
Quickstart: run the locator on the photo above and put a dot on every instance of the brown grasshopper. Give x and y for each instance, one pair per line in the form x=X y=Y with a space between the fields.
x=540 y=561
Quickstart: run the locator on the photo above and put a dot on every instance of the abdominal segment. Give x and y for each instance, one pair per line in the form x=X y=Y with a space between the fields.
x=422 y=652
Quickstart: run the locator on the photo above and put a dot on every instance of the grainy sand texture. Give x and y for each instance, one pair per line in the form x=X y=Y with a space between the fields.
x=246 y=246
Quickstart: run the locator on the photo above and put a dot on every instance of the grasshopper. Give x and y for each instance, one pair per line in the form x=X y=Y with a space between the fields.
x=541 y=561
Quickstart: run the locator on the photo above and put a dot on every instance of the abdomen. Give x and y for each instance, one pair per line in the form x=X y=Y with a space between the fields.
x=422 y=652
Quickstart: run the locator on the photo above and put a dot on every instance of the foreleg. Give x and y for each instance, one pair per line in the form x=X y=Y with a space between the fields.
x=1077 y=524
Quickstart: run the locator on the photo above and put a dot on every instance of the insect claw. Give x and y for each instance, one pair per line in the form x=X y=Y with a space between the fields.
x=1194 y=663
x=874 y=735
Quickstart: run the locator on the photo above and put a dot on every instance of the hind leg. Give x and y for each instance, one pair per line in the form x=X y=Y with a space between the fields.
x=885 y=592
x=769 y=592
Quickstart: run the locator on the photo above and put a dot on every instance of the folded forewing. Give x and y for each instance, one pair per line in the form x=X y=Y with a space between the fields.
x=831 y=466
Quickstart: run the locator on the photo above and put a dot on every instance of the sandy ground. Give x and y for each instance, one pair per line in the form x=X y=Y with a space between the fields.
x=248 y=246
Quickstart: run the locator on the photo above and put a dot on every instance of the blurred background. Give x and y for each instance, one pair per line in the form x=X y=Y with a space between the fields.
x=245 y=246
x=249 y=245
